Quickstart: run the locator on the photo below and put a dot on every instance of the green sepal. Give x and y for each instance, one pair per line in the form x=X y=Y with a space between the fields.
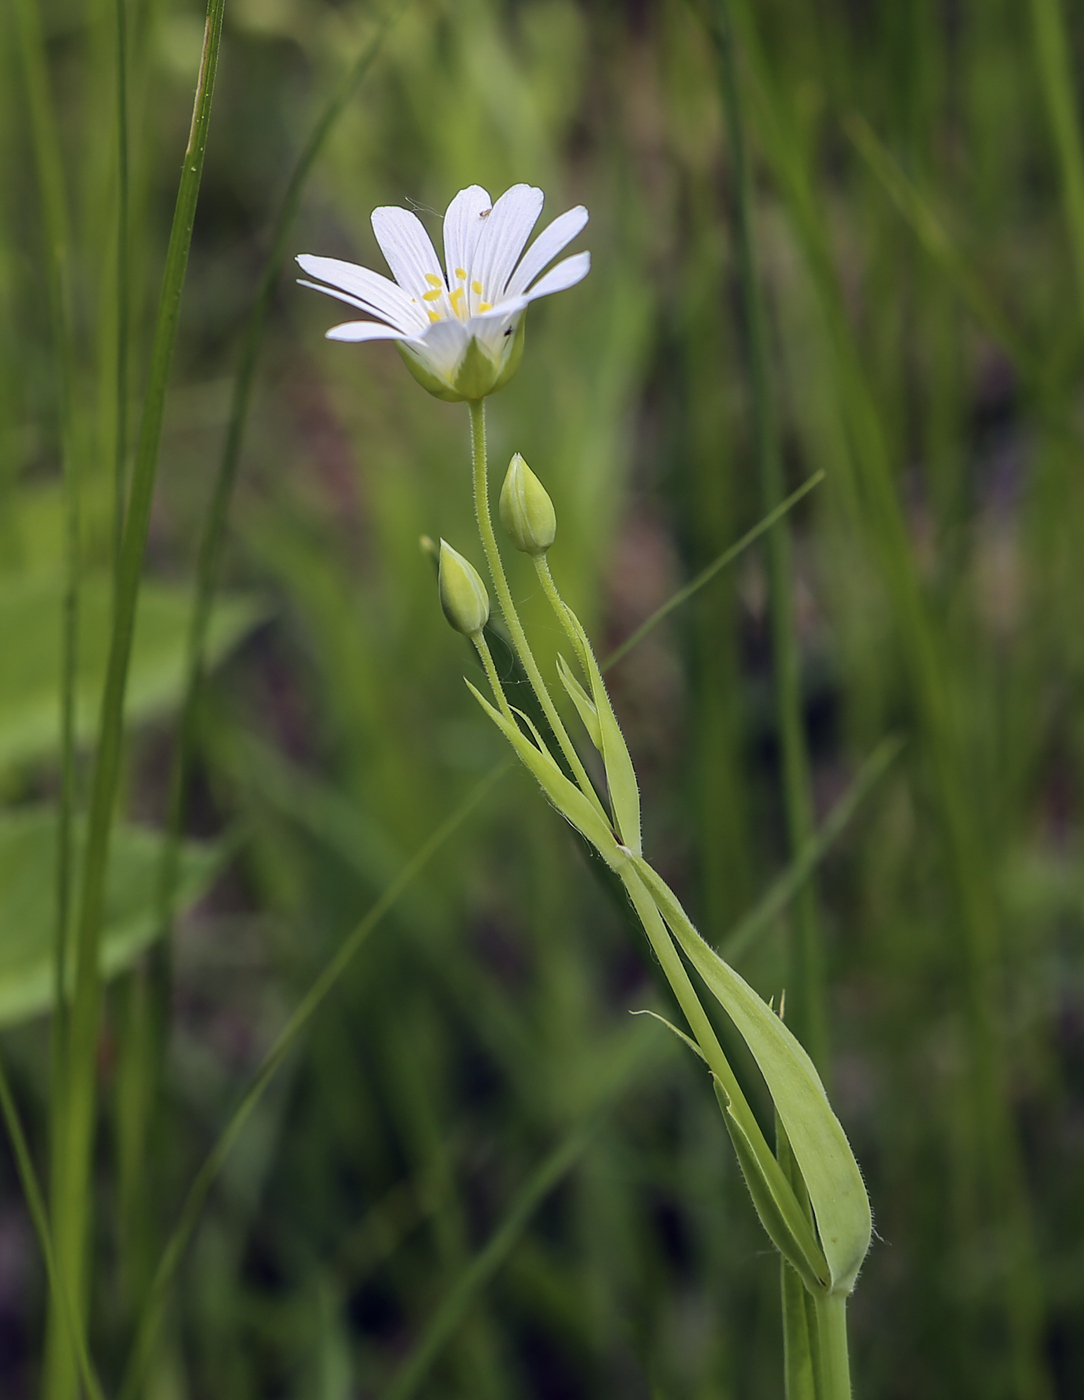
x=477 y=373
x=432 y=383
x=821 y=1151
x=620 y=774
x=511 y=364
x=573 y=804
x=776 y=1204
x=583 y=702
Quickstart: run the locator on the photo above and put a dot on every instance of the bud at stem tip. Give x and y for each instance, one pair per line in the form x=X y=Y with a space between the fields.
x=463 y=595
x=527 y=512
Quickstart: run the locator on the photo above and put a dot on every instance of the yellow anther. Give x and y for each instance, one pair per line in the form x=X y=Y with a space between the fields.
x=485 y=306
x=434 y=280
x=476 y=288
x=461 y=273
x=454 y=295
x=434 y=316
x=431 y=296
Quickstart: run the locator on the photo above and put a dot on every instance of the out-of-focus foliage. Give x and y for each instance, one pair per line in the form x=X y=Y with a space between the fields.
x=939 y=572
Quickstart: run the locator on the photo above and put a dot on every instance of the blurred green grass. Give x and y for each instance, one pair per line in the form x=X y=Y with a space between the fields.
x=487 y=1017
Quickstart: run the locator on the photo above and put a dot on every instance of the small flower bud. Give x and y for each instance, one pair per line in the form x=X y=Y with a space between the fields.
x=527 y=512
x=463 y=595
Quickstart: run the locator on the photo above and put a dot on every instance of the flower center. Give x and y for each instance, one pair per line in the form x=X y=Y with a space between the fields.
x=443 y=303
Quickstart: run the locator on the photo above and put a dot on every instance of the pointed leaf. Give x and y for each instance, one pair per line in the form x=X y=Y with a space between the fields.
x=775 y=1202
x=573 y=804
x=821 y=1150
x=620 y=774
x=582 y=701
x=689 y=1041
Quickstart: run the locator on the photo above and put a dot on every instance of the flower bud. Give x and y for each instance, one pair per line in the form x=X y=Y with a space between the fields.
x=527 y=512
x=463 y=595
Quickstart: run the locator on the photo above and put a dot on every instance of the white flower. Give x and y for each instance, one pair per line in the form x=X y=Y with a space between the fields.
x=461 y=333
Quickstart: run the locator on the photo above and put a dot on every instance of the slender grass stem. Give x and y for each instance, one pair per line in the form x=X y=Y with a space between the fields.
x=868 y=460
x=807 y=958
x=65 y=1286
x=28 y=1180
x=449 y=1316
x=707 y=574
x=72 y=1206
x=508 y=607
x=304 y=1011
x=124 y=275
x=1053 y=56
x=214 y=527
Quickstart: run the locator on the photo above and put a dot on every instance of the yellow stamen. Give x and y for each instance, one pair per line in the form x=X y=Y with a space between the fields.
x=434 y=316
x=476 y=288
x=431 y=296
x=434 y=280
x=453 y=297
x=485 y=306
x=461 y=273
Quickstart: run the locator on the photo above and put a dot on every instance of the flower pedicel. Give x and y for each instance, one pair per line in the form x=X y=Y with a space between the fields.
x=461 y=331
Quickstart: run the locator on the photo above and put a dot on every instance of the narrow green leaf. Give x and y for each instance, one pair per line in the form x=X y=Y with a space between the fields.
x=573 y=804
x=620 y=774
x=775 y=1203
x=823 y=1154
x=582 y=701
x=687 y=1039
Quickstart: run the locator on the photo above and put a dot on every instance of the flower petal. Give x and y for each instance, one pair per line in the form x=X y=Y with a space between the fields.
x=373 y=293
x=363 y=330
x=408 y=249
x=502 y=239
x=553 y=238
x=463 y=224
x=492 y=328
x=442 y=346
x=566 y=274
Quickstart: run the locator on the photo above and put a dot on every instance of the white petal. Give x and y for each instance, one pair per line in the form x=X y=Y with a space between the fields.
x=506 y=230
x=364 y=330
x=566 y=274
x=463 y=223
x=408 y=249
x=545 y=248
x=493 y=328
x=351 y=301
x=373 y=293
x=443 y=346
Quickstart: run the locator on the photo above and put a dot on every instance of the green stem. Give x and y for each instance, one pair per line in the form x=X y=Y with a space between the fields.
x=124 y=273
x=508 y=607
x=72 y=1206
x=832 y=1357
x=808 y=993
x=486 y=656
x=65 y=1286
x=1055 y=73
x=35 y=1201
x=558 y=604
